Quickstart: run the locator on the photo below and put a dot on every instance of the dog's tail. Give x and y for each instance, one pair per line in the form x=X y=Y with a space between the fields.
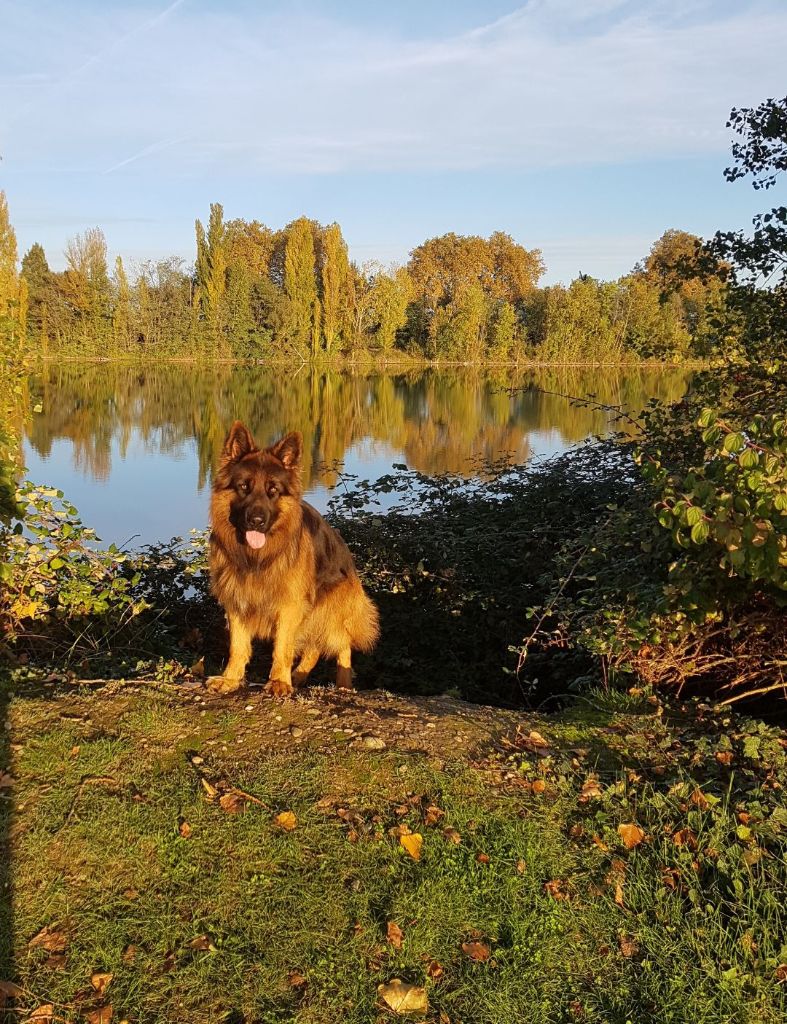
x=365 y=624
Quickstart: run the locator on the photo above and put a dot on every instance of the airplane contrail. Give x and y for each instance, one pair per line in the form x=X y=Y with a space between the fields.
x=153 y=148
x=24 y=112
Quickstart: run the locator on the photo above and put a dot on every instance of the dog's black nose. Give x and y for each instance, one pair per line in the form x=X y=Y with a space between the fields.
x=257 y=521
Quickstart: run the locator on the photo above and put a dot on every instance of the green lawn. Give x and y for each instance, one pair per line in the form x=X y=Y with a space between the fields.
x=129 y=858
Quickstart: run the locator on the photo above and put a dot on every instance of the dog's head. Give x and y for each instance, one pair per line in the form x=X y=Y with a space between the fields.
x=262 y=484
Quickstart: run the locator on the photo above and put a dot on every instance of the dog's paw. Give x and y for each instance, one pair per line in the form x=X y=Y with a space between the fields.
x=221 y=684
x=279 y=688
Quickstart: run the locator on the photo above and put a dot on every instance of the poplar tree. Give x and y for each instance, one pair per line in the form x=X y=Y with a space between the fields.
x=121 y=316
x=9 y=279
x=300 y=284
x=211 y=268
x=335 y=285
x=38 y=276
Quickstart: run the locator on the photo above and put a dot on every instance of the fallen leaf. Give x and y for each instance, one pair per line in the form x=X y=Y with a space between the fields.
x=536 y=739
x=49 y=938
x=724 y=757
x=699 y=799
x=412 y=844
x=6 y=780
x=232 y=802
x=433 y=815
x=685 y=837
x=628 y=946
x=521 y=867
x=45 y=1012
x=590 y=791
x=296 y=980
x=477 y=950
x=286 y=820
x=781 y=973
x=403 y=998
x=185 y=829
x=395 y=935
x=539 y=786
x=74 y=752
x=129 y=954
x=100 y=981
x=435 y=970
x=10 y=990
x=599 y=842
x=198 y=668
x=202 y=942
x=452 y=836
x=103 y=1015
x=555 y=889
x=631 y=834
x=209 y=789
x=619 y=894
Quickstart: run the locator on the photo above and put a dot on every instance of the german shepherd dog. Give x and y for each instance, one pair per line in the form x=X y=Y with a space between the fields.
x=280 y=572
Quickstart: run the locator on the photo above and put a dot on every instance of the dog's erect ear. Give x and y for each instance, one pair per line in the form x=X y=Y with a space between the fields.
x=289 y=450
x=239 y=443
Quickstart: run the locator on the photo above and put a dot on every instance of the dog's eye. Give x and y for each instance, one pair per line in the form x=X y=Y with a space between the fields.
x=273 y=490
x=243 y=486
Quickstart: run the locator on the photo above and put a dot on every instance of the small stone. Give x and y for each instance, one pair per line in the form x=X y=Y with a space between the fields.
x=296 y=731
x=315 y=712
x=276 y=718
x=373 y=743
x=430 y=725
x=198 y=760
x=249 y=707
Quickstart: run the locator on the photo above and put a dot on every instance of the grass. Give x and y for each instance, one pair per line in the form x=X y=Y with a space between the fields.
x=138 y=868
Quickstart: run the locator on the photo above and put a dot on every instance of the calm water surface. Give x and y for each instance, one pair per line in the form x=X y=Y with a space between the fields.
x=134 y=448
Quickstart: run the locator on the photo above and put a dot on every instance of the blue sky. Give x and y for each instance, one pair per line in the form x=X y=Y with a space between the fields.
x=583 y=127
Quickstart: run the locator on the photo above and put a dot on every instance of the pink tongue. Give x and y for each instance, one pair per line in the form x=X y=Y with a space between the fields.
x=255 y=539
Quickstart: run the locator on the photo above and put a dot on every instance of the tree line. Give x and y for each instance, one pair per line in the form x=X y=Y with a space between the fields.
x=258 y=292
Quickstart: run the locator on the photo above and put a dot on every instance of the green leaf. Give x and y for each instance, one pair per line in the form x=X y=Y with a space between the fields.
x=700 y=532
x=733 y=443
x=694 y=515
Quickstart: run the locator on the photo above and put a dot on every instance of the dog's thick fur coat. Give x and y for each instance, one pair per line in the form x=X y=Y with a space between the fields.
x=279 y=570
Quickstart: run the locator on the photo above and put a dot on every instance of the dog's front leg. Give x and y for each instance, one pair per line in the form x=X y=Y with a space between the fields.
x=240 y=653
x=280 y=680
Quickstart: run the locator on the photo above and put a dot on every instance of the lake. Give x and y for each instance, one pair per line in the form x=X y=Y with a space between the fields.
x=134 y=447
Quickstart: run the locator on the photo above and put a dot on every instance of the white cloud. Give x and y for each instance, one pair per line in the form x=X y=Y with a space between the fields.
x=187 y=90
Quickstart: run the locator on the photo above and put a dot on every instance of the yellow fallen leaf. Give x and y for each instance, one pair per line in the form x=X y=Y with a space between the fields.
x=539 y=786
x=100 y=981
x=413 y=843
x=403 y=998
x=395 y=935
x=45 y=1012
x=631 y=834
x=184 y=829
x=210 y=790
x=286 y=820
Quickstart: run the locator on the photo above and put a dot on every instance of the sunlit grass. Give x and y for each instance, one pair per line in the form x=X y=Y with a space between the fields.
x=203 y=915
